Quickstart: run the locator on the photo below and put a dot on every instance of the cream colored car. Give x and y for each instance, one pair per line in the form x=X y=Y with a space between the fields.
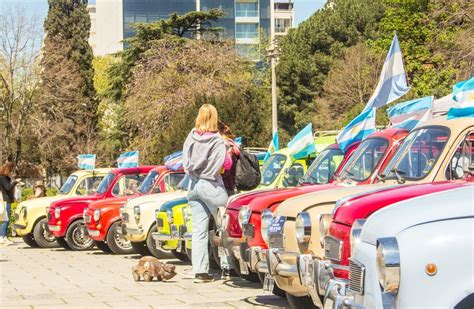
x=30 y=216
x=438 y=150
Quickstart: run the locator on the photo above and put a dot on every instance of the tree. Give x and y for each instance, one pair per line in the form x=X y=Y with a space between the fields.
x=18 y=77
x=67 y=113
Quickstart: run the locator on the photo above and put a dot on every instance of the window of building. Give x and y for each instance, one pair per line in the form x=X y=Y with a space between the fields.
x=282 y=25
x=246 y=31
x=246 y=9
x=249 y=51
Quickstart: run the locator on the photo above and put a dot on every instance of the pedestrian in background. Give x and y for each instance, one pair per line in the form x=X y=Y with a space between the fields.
x=204 y=156
x=7 y=186
x=39 y=189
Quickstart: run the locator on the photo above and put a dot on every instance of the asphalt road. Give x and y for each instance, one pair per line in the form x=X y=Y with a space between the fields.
x=56 y=278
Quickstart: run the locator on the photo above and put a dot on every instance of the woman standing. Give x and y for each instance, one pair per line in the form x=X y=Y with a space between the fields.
x=204 y=158
x=7 y=186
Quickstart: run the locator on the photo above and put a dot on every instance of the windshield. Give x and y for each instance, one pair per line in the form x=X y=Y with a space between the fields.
x=272 y=167
x=324 y=167
x=418 y=154
x=105 y=183
x=67 y=186
x=148 y=183
x=363 y=162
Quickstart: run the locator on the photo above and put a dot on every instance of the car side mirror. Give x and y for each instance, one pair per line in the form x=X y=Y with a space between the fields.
x=458 y=172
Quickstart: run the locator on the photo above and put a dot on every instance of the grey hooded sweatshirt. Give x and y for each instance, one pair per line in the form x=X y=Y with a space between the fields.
x=204 y=155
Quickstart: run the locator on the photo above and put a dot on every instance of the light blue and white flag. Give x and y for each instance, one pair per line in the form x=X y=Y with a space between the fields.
x=408 y=115
x=238 y=141
x=86 y=161
x=359 y=128
x=128 y=159
x=302 y=144
x=463 y=94
x=274 y=146
x=174 y=161
x=393 y=79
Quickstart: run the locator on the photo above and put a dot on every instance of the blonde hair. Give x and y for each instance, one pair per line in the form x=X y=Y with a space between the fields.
x=206 y=120
x=7 y=169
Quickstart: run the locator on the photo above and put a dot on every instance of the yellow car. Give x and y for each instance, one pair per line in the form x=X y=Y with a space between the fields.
x=30 y=216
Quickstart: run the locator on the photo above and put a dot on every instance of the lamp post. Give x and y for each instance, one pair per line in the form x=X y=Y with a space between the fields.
x=273 y=53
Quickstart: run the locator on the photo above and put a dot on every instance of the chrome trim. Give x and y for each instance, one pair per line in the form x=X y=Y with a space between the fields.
x=254 y=257
x=18 y=226
x=356 y=277
x=161 y=237
x=388 y=273
x=332 y=248
x=134 y=231
x=94 y=233
x=54 y=228
x=303 y=227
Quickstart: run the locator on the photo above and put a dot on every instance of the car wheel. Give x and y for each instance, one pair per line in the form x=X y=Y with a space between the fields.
x=76 y=237
x=28 y=239
x=147 y=277
x=180 y=256
x=136 y=276
x=156 y=252
x=43 y=236
x=117 y=242
x=102 y=246
x=140 y=248
x=251 y=276
x=276 y=290
x=300 y=302
x=62 y=243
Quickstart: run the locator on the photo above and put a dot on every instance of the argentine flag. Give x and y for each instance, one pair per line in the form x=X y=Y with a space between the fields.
x=408 y=115
x=302 y=144
x=391 y=86
x=463 y=94
x=174 y=161
x=86 y=161
x=274 y=146
x=128 y=159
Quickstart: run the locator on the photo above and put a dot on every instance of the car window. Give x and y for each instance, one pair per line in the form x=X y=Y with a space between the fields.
x=293 y=175
x=365 y=159
x=105 y=183
x=172 y=181
x=272 y=167
x=324 y=166
x=462 y=162
x=418 y=154
x=88 y=185
x=68 y=185
x=148 y=183
x=127 y=185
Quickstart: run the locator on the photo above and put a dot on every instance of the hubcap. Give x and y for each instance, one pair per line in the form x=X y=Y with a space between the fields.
x=122 y=242
x=46 y=234
x=80 y=238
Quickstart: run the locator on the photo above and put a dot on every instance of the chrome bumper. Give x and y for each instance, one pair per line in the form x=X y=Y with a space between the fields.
x=125 y=230
x=278 y=262
x=93 y=233
x=54 y=228
x=18 y=227
x=182 y=232
x=336 y=297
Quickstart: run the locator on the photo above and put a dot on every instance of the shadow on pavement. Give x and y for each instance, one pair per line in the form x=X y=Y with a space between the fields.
x=267 y=300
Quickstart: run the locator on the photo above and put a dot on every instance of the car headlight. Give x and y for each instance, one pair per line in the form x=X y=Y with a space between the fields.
x=57 y=212
x=355 y=233
x=303 y=227
x=136 y=213
x=96 y=215
x=324 y=223
x=388 y=264
x=169 y=216
x=24 y=212
x=244 y=215
x=266 y=219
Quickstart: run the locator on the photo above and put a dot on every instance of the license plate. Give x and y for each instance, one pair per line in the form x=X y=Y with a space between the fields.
x=276 y=227
x=221 y=251
x=243 y=267
x=268 y=283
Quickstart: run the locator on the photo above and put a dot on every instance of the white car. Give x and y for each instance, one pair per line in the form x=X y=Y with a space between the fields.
x=415 y=254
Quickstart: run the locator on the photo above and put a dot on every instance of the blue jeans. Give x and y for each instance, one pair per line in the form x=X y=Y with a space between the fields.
x=204 y=199
x=4 y=226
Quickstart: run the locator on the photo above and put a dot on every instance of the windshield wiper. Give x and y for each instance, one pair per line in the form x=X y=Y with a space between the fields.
x=398 y=174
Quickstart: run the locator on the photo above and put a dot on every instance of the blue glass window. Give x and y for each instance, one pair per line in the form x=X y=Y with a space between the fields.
x=246 y=9
x=246 y=31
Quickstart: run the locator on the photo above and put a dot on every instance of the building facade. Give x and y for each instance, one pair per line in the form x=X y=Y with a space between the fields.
x=245 y=21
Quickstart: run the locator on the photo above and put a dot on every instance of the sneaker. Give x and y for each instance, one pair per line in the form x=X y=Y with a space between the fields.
x=187 y=273
x=225 y=275
x=203 y=278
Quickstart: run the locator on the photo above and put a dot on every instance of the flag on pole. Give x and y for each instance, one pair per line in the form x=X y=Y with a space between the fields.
x=238 y=141
x=408 y=115
x=463 y=94
x=302 y=144
x=86 y=161
x=274 y=146
x=128 y=159
x=174 y=161
x=392 y=85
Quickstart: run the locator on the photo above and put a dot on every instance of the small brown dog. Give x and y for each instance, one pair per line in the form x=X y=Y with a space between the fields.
x=149 y=267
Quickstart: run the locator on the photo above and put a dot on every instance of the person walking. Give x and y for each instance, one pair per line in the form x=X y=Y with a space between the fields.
x=204 y=158
x=7 y=186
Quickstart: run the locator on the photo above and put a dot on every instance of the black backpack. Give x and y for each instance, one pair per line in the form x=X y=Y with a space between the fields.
x=247 y=171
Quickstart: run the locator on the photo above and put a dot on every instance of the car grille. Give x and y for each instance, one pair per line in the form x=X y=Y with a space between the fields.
x=87 y=218
x=125 y=217
x=332 y=248
x=275 y=241
x=356 y=276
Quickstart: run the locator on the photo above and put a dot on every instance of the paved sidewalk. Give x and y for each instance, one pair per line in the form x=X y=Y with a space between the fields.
x=55 y=278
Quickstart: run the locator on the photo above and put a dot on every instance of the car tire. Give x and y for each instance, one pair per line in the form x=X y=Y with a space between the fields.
x=140 y=248
x=42 y=236
x=75 y=237
x=156 y=252
x=251 y=276
x=117 y=242
x=102 y=246
x=180 y=256
x=300 y=302
x=276 y=290
x=30 y=241
x=62 y=243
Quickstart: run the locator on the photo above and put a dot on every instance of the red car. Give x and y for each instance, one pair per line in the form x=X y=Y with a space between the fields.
x=102 y=217
x=384 y=143
x=65 y=217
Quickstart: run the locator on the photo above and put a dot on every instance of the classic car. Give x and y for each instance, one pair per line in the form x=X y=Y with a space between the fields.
x=103 y=218
x=429 y=153
x=416 y=253
x=65 y=217
x=30 y=217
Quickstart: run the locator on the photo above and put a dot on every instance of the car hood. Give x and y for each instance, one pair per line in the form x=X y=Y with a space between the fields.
x=153 y=199
x=109 y=203
x=41 y=201
x=77 y=199
x=237 y=201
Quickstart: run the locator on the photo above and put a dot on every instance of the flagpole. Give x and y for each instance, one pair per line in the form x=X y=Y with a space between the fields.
x=273 y=53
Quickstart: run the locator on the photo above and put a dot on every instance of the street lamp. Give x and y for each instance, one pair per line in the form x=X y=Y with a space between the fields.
x=273 y=52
